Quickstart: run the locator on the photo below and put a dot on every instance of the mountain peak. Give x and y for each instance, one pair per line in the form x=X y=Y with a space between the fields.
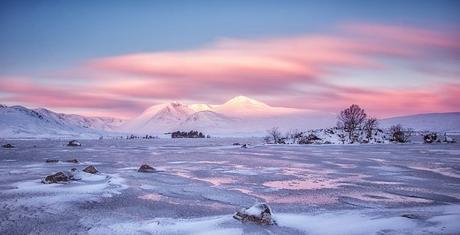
x=244 y=100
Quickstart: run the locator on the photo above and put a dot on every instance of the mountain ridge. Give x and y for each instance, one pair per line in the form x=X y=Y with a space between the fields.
x=20 y=122
x=240 y=116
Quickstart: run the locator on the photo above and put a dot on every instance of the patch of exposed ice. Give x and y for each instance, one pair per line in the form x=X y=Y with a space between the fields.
x=445 y=171
x=301 y=184
x=242 y=172
x=446 y=151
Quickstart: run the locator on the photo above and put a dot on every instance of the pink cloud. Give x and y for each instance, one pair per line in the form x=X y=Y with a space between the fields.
x=27 y=92
x=384 y=102
x=292 y=69
x=294 y=58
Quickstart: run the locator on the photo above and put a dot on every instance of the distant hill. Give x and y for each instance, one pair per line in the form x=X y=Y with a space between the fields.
x=442 y=122
x=21 y=122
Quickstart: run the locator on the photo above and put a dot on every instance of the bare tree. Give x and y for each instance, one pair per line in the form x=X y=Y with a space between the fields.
x=369 y=126
x=351 y=119
x=399 y=134
x=275 y=134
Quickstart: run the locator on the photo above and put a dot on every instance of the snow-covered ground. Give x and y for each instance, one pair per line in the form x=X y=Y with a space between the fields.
x=200 y=183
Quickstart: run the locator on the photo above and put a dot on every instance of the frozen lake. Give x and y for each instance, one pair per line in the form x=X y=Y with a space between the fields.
x=200 y=183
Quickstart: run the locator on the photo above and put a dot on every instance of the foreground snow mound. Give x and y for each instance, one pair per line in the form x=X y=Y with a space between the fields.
x=258 y=213
x=56 y=197
x=435 y=220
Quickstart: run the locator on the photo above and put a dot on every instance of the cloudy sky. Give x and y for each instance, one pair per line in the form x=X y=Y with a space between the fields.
x=115 y=58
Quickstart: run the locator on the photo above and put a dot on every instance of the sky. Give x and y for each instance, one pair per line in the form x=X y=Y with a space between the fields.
x=116 y=58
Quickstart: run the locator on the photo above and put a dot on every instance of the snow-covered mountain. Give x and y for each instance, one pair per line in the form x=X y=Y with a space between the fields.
x=21 y=122
x=98 y=123
x=442 y=122
x=159 y=118
x=208 y=120
x=238 y=116
x=242 y=106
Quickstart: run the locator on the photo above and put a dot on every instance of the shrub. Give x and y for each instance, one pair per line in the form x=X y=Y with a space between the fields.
x=184 y=134
x=275 y=135
x=399 y=134
x=430 y=138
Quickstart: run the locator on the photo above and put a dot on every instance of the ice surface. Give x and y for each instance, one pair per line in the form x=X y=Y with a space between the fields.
x=330 y=189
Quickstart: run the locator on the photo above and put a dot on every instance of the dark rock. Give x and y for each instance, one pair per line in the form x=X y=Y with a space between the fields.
x=51 y=160
x=90 y=169
x=430 y=138
x=8 y=146
x=258 y=214
x=244 y=146
x=410 y=216
x=71 y=161
x=59 y=177
x=146 y=168
x=74 y=143
x=236 y=144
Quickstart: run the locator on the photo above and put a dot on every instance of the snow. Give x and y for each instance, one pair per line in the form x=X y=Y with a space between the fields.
x=201 y=107
x=319 y=189
x=240 y=116
x=344 y=223
x=255 y=210
x=358 y=222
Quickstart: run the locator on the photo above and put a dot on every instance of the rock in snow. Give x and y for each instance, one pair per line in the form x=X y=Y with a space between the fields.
x=258 y=213
x=59 y=177
x=51 y=160
x=146 y=168
x=90 y=169
x=71 y=161
x=74 y=143
x=410 y=216
x=8 y=146
x=62 y=177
